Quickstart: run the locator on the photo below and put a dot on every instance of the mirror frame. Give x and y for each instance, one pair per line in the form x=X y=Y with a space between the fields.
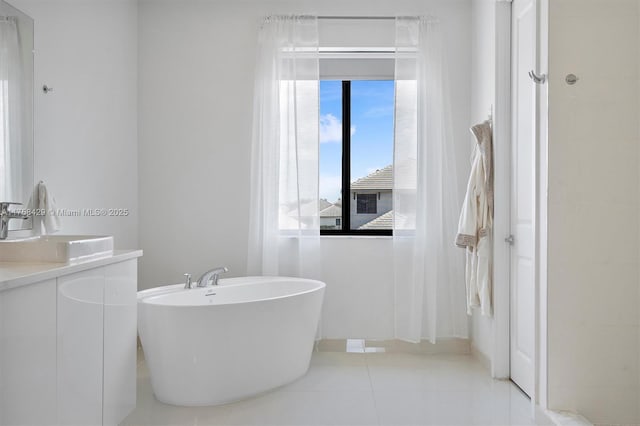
x=26 y=30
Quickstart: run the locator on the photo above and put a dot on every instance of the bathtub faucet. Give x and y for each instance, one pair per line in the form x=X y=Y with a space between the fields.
x=212 y=276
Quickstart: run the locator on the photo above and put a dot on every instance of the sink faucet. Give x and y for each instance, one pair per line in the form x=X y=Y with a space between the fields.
x=212 y=276
x=5 y=216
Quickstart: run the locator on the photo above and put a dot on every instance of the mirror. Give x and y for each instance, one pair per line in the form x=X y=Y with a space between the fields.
x=16 y=109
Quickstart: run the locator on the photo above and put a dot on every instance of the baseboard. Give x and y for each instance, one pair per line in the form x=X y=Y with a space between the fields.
x=484 y=360
x=445 y=346
x=565 y=418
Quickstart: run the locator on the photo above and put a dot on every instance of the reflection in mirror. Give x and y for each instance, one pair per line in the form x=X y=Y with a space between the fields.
x=16 y=109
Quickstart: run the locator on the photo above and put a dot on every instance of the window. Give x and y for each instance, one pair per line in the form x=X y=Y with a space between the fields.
x=366 y=204
x=356 y=156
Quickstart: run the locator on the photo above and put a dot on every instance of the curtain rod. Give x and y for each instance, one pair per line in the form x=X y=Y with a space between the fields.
x=358 y=17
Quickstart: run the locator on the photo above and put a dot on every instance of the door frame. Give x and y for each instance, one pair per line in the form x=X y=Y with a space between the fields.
x=542 y=126
x=500 y=363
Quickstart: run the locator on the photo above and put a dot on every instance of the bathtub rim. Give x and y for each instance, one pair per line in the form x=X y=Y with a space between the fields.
x=144 y=295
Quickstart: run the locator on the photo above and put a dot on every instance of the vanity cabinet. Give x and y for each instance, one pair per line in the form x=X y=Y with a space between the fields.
x=120 y=341
x=28 y=354
x=80 y=300
x=68 y=348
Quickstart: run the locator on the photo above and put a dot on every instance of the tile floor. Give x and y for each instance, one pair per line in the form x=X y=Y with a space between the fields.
x=361 y=389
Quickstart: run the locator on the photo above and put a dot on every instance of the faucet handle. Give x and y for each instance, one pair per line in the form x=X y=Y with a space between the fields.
x=4 y=205
x=187 y=282
x=6 y=215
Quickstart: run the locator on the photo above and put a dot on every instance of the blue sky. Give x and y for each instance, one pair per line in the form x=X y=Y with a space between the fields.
x=371 y=131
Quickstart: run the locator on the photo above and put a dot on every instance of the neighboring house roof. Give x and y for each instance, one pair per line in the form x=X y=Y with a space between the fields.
x=384 y=221
x=307 y=207
x=332 y=211
x=323 y=204
x=381 y=179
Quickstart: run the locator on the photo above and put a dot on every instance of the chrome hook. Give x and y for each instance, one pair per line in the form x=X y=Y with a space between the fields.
x=571 y=79
x=538 y=79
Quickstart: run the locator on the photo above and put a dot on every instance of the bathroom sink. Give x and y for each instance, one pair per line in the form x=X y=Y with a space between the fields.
x=55 y=248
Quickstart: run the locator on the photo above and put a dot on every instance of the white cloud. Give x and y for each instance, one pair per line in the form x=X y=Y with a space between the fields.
x=330 y=129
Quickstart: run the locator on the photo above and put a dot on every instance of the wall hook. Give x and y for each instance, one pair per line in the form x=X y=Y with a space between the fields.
x=538 y=79
x=571 y=79
x=47 y=89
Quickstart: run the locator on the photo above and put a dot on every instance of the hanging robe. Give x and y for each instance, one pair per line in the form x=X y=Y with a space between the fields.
x=476 y=223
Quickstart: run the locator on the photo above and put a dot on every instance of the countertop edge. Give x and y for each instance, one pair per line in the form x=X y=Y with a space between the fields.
x=47 y=271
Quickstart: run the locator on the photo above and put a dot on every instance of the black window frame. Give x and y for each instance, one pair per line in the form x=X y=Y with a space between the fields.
x=346 y=174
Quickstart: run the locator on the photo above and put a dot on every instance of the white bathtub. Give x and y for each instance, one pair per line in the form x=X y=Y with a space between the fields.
x=210 y=346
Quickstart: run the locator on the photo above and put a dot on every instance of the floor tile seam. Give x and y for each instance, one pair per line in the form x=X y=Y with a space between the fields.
x=373 y=395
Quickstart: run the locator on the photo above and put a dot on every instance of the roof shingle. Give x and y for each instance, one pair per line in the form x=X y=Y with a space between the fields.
x=380 y=179
x=384 y=221
x=331 y=211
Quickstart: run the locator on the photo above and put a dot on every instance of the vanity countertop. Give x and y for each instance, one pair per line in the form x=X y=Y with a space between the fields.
x=16 y=274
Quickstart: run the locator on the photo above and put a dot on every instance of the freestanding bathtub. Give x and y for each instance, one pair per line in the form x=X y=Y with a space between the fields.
x=213 y=345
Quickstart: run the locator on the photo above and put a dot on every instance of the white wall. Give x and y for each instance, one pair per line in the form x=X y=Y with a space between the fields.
x=594 y=210
x=196 y=62
x=359 y=296
x=86 y=130
x=483 y=94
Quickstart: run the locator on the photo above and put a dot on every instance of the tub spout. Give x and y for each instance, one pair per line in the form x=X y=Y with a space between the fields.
x=211 y=276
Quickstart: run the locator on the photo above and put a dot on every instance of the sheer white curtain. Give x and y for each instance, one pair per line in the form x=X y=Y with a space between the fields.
x=11 y=113
x=429 y=275
x=284 y=230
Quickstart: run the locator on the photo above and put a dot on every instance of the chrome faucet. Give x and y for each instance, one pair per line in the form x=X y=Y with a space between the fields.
x=212 y=276
x=5 y=216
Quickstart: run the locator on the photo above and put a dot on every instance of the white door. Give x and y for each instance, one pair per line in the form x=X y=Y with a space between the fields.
x=523 y=194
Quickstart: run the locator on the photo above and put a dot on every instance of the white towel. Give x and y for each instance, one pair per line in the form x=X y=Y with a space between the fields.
x=50 y=222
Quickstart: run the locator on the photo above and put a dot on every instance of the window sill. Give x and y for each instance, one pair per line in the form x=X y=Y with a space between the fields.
x=358 y=237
